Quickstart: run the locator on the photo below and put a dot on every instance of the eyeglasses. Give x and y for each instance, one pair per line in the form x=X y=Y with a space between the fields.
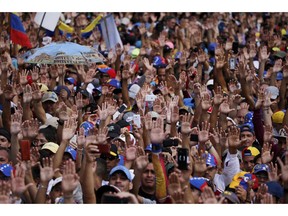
x=105 y=157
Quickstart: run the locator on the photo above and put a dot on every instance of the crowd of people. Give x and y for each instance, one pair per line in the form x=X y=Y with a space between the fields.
x=190 y=110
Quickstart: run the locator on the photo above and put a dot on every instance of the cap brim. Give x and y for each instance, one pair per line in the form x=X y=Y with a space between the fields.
x=113 y=135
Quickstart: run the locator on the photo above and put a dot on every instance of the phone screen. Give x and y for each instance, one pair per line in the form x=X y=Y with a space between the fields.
x=119 y=111
x=182 y=158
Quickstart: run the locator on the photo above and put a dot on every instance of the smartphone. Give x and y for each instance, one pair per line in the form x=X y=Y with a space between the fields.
x=235 y=46
x=150 y=98
x=25 y=149
x=112 y=199
x=232 y=63
x=194 y=137
x=182 y=158
x=119 y=111
x=170 y=142
x=137 y=120
x=104 y=148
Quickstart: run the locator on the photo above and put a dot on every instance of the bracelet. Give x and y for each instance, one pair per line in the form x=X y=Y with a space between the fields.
x=208 y=149
x=168 y=123
x=78 y=149
x=42 y=186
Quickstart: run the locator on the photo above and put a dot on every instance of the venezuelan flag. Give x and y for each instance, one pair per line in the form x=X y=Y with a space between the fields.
x=65 y=28
x=85 y=33
x=17 y=32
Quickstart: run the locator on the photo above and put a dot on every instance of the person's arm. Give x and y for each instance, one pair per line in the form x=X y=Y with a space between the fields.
x=140 y=164
x=87 y=179
x=38 y=109
x=157 y=136
x=69 y=182
x=125 y=94
x=284 y=176
x=217 y=100
x=68 y=132
x=27 y=98
x=258 y=125
x=283 y=89
x=46 y=174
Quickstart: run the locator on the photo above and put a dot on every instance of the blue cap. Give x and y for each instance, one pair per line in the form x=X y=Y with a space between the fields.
x=87 y=126
x=212 y=46
x=115 y=83
x=71 y=80
x=260 y=167
x=159 y=62
x=279 y=76
x=6 y=169
x=211 y=160
x=138 y=44
x=178 y=55
x=275 y=189
x=59 y=88
x=71 y=151
x=148 y=147
x=199 y=182
x=248 y=117
x=189 y=102
x=247 y=127
x=122 y=169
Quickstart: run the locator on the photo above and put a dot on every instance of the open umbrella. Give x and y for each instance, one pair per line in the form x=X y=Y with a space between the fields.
x=65 y=53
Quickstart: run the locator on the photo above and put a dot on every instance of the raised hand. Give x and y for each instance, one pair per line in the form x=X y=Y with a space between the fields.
x=46 y=172
x=218 y=96
x=81 y=138
x=186 y=124
x=23 y=77
x=90 y=75
x=130 y=153
x=103 y=113
x=263 y=53
x=70 y=178
x=277 y=66
x=5 y=190
x=225 y=107
x=69 y=129
x=35 y=74
x=273 y=172
x=266 y=155
x=284 y=168
x=203 y=134
x=234 y=141
x=18 y=180
x=209 y=197
x=36 y=93
x=157 y=133
x=27 y=94
x=102 y=135
x=16 y=121
x=206 y=102
x=141 y=161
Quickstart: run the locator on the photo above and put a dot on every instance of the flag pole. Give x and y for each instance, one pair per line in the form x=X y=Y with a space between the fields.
x=39 y=42
x=9 y=32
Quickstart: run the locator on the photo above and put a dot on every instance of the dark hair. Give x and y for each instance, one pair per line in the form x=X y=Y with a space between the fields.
x=50 y=133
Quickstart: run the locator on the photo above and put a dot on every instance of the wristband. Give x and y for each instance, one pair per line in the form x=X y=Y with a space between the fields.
x=60 y=122
x=208 y=149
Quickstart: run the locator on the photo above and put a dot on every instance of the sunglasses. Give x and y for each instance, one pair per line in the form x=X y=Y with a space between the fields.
x=110 y=158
